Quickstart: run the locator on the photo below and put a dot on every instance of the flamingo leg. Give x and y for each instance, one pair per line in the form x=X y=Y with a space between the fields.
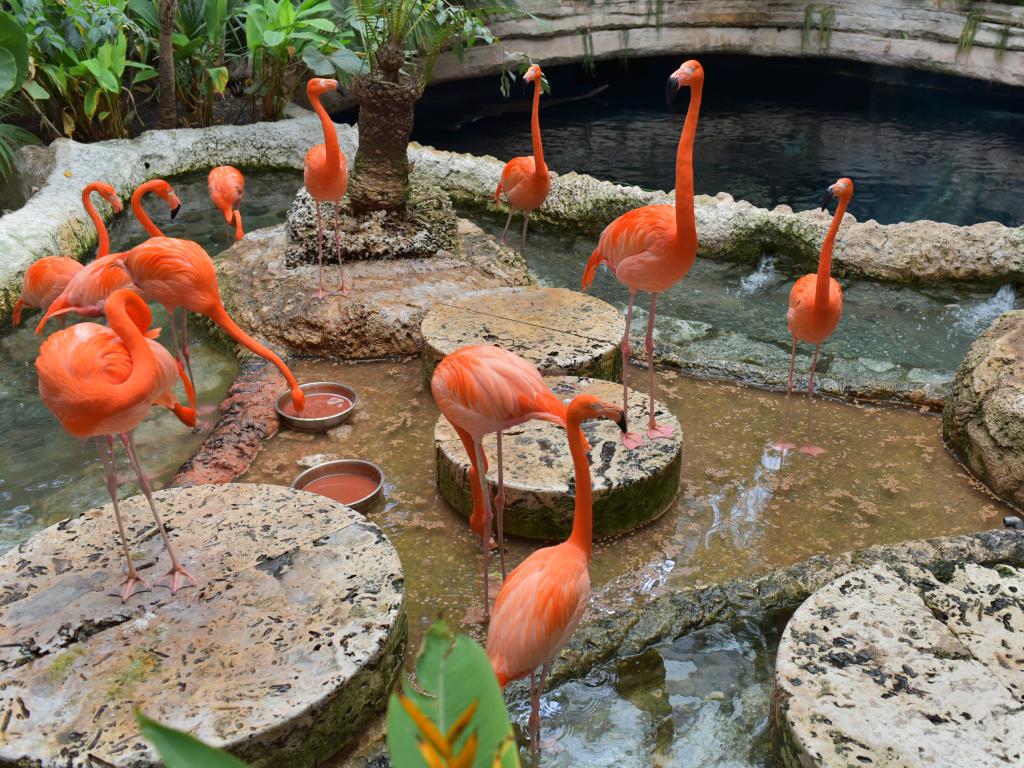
x=504 y=232
x=654 y=429
x=534 y=722
x=488 y=521
x=184 y=348
x=792 y=367
x=499 y=506
x=526 y=222
x=784 y=444
x=810 y=448
x=540 y=692
x=630 y=439
x=133 y=582
x=176 y=578
x=337 y=247
x=320 y=292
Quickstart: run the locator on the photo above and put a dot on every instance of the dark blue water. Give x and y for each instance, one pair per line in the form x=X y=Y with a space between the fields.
x=771 y=131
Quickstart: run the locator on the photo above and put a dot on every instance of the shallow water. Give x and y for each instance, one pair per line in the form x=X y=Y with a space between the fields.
x=771 y=131
x=743 y=507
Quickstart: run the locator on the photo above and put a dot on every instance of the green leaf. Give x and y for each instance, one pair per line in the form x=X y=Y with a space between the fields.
x=321 y=24
x=219 y=78
x=179 y=750
x=216 y=12
x=285 y=14
x=319 y=64
x=179 y=39
x=347 y=62
x=14 y=42
x=106 y=80
x=36 y=91
x=144 y=75
x=91 y=102
x=146 y=11
x=118 y=56
x=8 y=72
x=273 y=37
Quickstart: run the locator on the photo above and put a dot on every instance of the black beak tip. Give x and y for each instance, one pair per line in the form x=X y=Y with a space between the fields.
x=671 y=89
x=174 y=212
x=825 y=199
x=622 y=424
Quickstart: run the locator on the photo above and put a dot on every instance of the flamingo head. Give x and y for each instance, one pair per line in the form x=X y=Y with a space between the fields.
x=318 y=86
x=842 y=189
x=166 y=192
x=110 y=195
x=533 y=73
x=133 y=305
x=586 y=407
x=690 y=73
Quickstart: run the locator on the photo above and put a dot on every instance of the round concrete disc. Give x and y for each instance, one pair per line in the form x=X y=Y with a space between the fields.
x=289 y=644
x=561 y=332
x=630 y=487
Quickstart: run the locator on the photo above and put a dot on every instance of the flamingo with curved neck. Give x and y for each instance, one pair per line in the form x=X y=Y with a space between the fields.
x=544 y=599
x=652 y=248
x=165 y=192
x=526 y=181
x=227 y=186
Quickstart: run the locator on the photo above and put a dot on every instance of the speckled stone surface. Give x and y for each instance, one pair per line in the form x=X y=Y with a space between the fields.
x=286 y=649
x=890 y=667
x=630 y=487
x=560 y=331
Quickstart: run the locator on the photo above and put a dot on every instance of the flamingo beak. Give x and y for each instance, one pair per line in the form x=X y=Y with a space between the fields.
x=671 y=89
x=339 y=89
x=621 y=422
x=826 y=198
x=174 y=211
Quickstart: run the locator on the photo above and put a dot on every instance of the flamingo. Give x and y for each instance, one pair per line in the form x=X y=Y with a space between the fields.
x=47 y=278
x=325 y=174
x=227 y=185
x=484 y=389
x=526 y=180
x=100 y=381
x=165 y=192
x=544 y=599
x=179 y=273
x=653 y=247
x=816 y=300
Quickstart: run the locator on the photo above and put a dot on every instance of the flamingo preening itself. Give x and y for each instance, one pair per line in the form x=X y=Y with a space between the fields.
x=325 y=173
x=544 y=598
x=100 y=381
x=165 y=192
x=526 y=180
x=652 y=248
x=483 y=390
x=227 y=185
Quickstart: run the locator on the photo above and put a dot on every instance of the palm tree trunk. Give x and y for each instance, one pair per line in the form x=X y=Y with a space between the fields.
x=168 y=112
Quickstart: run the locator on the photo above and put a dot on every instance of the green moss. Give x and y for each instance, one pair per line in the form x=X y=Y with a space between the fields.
x=141 y=664
x=61 y=666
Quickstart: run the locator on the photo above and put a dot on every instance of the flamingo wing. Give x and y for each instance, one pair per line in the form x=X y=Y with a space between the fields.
x=516 y=171
x=45 y=280
x=643 y=233
x=175 y=273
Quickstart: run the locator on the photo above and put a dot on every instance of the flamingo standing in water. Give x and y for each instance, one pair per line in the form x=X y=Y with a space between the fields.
x=544 y=599
x=100 y=381
x=227 y=185
x=526 y=180
x=325 y=173
x=816 y=300
x=180 y=274
x=47 y=278
x=484 y=389
x=652 y=248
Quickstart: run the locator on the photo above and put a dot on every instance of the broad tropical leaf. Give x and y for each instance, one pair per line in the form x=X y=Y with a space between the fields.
x=179 y=750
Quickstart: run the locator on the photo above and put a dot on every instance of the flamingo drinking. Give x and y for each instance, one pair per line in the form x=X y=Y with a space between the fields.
x=227 y=185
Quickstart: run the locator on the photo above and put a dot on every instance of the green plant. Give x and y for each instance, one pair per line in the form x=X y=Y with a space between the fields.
x=969 y=32
x=179 y=750
x=826 y=24
x=588 y=52
x=13 y=72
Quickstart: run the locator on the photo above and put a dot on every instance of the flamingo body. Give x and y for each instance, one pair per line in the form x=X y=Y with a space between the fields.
x=325 y=181
x=88 y=289
x=524 y=188
x=45 y=280
x=808 y=322
x=227 y=185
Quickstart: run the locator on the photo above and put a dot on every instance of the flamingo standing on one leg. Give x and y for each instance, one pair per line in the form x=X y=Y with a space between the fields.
x=179 y=273
x=100 y=381
x=526 y=180
x=816 y=300
x=47 y=278
x=652 y=248
x=227 y=185
x=325 y=173
x=165 y=192
x=484 y=389
x=544 y=598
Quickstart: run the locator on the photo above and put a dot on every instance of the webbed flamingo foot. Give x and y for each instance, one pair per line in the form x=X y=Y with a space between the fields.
x=632 y=440
x=177 y=578
x=657 y=431
x=133 y=584
x=812 y=450
x=782 y=445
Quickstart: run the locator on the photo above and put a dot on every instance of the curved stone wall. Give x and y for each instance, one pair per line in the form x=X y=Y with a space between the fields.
x=916 y=34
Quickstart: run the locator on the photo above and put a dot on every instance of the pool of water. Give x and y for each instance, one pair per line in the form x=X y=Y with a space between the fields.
x=47 y=475
x=771 y=131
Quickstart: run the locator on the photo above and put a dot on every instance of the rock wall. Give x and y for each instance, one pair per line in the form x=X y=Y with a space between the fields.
x=916 y=34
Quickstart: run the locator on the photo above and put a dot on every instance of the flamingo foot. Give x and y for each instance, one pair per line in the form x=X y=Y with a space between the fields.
x=177 y=578
x=660 y=430
x=632 y=440
x=812 y=450
x=782 y=445
x=130 y=586
x=320 y=294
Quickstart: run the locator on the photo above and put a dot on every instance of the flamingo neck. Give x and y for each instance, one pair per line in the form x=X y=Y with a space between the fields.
x=582 y=535
x=686 y=225
x=333 y=149
x=140 y=380
x=97 y=220
x=821 y=285
x=237 y=218
x=539 y=167
x=140 y=213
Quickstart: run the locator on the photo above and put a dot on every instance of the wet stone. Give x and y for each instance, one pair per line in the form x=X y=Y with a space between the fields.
x=287 y=648
x=888 y=666
x=559 y=331
x=630 y=488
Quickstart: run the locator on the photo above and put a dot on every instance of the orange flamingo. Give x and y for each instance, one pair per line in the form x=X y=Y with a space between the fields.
x=816 y=300
x=227 y=185
x=484 y=389
x=652 y=248
x=47 y=278
x=180 y=274
x=100 y=381
x=165 y=192
x=325 y=173
x=544 y=599
x=526 y=180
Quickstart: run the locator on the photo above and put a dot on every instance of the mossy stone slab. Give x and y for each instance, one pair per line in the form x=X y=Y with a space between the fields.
x=562 y=332
x=289 y=645
x=630 y=487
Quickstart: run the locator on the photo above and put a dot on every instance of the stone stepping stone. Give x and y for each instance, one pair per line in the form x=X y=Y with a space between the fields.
x=630 y=487
x=890 y=667
x=560 y=331
x=288 y=647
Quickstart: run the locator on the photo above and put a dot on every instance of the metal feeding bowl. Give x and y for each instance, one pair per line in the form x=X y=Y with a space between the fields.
x=363 y=470
x=308 y=421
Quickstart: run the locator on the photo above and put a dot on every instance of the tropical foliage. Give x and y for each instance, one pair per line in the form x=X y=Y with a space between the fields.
x=14 y=64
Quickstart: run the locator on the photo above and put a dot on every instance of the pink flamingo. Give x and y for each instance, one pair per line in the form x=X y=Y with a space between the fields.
x=227 y=185
x=526 y=180
x=165 y=192
x=653 y=247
